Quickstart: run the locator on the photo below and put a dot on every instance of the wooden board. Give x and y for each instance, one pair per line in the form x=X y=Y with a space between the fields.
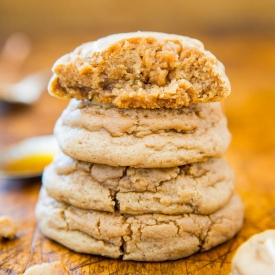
x=251 y=114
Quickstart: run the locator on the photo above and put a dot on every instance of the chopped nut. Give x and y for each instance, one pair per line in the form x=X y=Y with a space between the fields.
x=54 y=268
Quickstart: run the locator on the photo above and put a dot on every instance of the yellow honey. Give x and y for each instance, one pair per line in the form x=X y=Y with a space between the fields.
x=33 y=163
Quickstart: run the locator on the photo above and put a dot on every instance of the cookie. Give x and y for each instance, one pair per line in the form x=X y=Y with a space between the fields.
x=200 y=188
x=151 y=237
x=142 y=138
x=141 y=70
x=256 y=256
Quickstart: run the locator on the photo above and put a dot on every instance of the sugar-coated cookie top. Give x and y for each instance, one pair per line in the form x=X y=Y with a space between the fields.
x=103 y=43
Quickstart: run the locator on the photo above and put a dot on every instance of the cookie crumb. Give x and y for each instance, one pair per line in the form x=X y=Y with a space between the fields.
x=8 y=227
x=54 y=268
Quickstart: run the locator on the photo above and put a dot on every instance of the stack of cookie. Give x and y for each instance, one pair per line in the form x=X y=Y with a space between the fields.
x=140 y=174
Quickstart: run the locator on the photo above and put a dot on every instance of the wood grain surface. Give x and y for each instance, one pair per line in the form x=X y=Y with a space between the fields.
x=250 y=65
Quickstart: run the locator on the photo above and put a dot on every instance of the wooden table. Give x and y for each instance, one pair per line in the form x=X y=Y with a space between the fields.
x=250 y=63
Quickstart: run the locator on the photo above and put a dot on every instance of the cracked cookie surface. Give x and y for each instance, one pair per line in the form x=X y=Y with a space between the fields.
x=195 y=188
x=142 y=138
x=151 y=237
x=141 y=70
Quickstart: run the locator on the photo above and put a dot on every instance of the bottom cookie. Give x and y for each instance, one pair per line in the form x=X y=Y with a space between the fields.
x=150 y=237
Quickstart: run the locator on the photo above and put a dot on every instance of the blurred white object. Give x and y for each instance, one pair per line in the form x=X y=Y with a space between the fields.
x=27 y=90
x=15 y=52
x=12 y=57
x=256 y=255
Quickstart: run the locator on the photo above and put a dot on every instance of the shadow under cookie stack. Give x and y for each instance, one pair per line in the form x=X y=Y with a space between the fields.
x=140 y=174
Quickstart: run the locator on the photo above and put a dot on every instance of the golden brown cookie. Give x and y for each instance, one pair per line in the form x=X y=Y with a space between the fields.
x=201 y=188
x=141 y=69
x=142 y=138
x=151 y=237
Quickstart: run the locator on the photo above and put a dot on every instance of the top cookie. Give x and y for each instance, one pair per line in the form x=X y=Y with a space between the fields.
x=141 y=70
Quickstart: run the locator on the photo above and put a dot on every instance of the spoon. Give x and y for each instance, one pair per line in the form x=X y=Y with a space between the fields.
x=12 y=58
x=27 y=158
x=27 y=90
x=13 y=55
